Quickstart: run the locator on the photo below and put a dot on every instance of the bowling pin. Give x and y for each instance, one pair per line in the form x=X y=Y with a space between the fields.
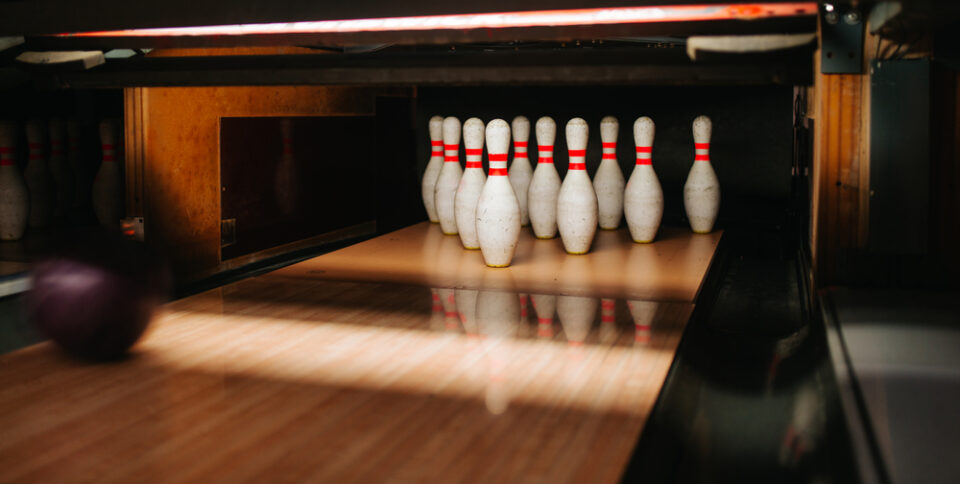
x=643 y=197
x=107 y=201
x=520 y=170
x=576 y=315
x=62 y=174
x=643 y=313
x=451 y=315
x=471 y=184
x=701 y=192
x=14 y=199
x=285 y=177
x=39 y=180
x=498 y=212
x=608 y=182
x=449 y=177
x=608 y=320
x=429 y=183
x=436 y=310
x=545 y=306
x=498 y=320
x=545 y=183
x=577 y=202
x=467 y=307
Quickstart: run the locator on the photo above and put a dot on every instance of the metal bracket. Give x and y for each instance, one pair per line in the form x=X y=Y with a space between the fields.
x=841 y=34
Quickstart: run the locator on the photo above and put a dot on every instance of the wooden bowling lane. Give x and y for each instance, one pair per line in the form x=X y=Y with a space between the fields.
x=299 y=379
x=670 y=269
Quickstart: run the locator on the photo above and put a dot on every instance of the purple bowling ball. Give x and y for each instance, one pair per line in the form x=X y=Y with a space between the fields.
x=97 y=301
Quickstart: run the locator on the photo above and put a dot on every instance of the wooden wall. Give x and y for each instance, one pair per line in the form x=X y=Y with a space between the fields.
x=172 y=137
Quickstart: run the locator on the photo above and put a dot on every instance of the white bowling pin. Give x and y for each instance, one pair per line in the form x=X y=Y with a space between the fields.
x=14 y=199
x=701 y=192
x=62 y=174
x=577 y=202
x=471 y=184
x=608 y=182
x=449 y=178
x=39 y=180
x=498 y=213
x=643 y=313
x=106 y=195
x=520 y=170
x=429 y=182
x=545 y=184
x=545 y=306
x=643 y=197
x=576 y=315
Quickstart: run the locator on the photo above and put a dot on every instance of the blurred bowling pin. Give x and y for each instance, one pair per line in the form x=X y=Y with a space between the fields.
x=436 y=310
x=643 y=197
x=498 y=319
x=62 y=174
x=467 y=307
x=449 y=178
x=576 y=316
x=451 y=316
x=523 y=307
x=545 y=184
x=471 y=184
x=577 y=202
x=643 y=313
x=107 y=184
x=520 y=170
x=701 y=192
x=429 y=183
x=14 y=199
x=40 y=184
x=608 y=320
x=545 y=306
x=498 y=213
x=608 y=181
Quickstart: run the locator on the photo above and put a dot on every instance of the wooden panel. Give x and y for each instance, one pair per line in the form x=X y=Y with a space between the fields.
x=181 y=179
x=303 y=379
x=670 y=269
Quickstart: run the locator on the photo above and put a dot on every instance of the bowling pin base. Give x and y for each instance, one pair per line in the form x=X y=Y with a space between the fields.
x=545 y=238
x=608 y=228
x=578 y=253
x=451 y=233
x=434 y=221
x=500 y=266
x=471 y=248
x=702 y=231
x=643 y=241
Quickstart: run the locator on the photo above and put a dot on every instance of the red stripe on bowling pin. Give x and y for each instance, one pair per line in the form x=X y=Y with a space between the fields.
x=498 y=164
x=609 y=151
x=474 y=159
x=576 y=159
x=519 y=149
x=702 y=152
x=546 y=154
x=644 y=155
x=451 y=153
x=6 y=156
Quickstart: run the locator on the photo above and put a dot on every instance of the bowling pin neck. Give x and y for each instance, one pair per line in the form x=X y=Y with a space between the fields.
x=702 y=151
x=287 y=143
x=56 y=147
x=436 y=148
x=609 y=151
x=519 y=149
x=108 y=152
x=546 y=154
x=6 y=155
x=451 y=153
x=36 y=151
x=644 y=155
x=498 y=164
x=577 y=160
x=474 y=158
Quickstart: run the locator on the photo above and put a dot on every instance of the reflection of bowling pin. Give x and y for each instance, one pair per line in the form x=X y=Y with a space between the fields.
x=106 y=185
x=498 y=213
x=498 y=318
x=608 y=320
x=14 y=199
x=608 y=181
x=643 y=198
x=523 y=307
x=545 y=183
x=577 y=202
x=430 y=175
x=436 y=310
x=285 y=178
x=520 y=171
x=545 y=306
x=643 y=313
x=576 y=316
x=701 y=192
x=467 y=307
x=451 y=318
x=471 y=184
x=40 y=184
x=62 y=174
x=449 y=178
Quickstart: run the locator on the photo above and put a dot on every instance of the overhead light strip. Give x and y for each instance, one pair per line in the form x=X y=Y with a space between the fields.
x=542 y=18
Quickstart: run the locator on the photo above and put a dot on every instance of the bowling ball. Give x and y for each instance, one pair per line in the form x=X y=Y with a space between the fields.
x=95 y=301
